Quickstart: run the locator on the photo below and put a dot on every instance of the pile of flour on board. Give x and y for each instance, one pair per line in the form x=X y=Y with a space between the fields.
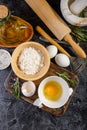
x=31 y=60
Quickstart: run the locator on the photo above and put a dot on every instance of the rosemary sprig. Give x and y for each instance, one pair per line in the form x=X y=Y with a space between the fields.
x=82 y=14
x=66 y=76
x=79 y=33
x=16 y=89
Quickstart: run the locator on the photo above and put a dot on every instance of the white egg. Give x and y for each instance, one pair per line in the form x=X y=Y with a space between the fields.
x=28 y=88
x=62 y=60
x=52 y=50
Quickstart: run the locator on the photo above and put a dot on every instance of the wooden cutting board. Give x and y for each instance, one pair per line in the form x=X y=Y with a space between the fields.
x=53 y=70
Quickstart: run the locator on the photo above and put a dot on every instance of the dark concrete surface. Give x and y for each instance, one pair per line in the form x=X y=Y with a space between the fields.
x=20 y=115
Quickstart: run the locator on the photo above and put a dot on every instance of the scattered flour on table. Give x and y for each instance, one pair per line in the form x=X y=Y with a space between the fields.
x=31 y=60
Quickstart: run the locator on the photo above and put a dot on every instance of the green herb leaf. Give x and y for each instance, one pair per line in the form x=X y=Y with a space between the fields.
x=79 y=33
x=66 y=76
x=16 y=89
x=81 y=14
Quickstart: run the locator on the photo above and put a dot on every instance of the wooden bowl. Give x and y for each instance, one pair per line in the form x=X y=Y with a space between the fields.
x=15 y=57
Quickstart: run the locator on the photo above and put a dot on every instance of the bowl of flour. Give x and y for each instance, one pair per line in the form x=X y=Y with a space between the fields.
x=30 y=61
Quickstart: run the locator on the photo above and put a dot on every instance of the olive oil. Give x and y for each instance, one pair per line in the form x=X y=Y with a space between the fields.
x=13 y=30
x=52 y=90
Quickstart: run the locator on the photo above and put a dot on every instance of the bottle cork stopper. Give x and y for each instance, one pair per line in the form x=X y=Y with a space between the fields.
x=3 y=11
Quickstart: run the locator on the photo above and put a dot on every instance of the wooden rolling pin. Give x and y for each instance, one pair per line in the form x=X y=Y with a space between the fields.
x=54 y=23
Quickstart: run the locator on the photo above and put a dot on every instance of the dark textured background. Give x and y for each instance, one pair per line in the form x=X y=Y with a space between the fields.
x=20 y=115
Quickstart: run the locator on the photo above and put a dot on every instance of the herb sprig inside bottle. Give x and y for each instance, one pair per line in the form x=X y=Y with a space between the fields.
x=4 y=14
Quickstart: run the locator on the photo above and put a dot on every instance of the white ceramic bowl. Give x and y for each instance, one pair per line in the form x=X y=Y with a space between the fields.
x=69 y=16
x=66 y=92
x=5 y=59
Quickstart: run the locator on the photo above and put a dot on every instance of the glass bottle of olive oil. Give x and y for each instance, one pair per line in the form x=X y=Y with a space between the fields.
x=13 y=30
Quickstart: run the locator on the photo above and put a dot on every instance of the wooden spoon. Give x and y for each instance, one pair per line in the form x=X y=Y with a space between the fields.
x=51 y=40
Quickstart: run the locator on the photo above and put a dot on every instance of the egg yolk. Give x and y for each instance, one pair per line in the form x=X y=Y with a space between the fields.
x=52 y=90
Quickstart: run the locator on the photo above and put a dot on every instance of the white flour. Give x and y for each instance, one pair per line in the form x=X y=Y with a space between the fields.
x=31 y=60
